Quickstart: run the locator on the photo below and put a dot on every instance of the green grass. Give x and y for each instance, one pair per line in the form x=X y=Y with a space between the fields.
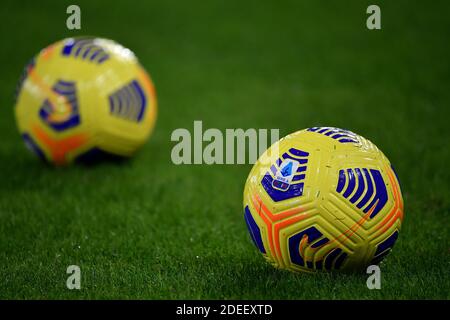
x=149 y=229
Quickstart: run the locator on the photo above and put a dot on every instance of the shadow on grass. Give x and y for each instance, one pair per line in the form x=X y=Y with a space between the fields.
x=30 y=173
x=255 y=279
x=251 y=278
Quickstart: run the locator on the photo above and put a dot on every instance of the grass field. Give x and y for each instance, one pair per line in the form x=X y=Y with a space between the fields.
x=148 y=229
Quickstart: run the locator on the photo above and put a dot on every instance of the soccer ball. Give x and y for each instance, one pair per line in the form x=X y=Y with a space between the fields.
x=81 y=99
x=323 y=198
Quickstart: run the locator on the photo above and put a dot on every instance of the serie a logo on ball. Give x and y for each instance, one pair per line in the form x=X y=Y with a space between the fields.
x=328 y=199
x=81 y=99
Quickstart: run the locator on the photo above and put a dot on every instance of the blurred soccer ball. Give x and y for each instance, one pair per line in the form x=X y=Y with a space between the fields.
x=81 y=99
x=323 y=199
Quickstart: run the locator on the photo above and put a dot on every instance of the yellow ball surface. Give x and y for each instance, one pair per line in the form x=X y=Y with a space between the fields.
x=83 y=98
x=323 y=199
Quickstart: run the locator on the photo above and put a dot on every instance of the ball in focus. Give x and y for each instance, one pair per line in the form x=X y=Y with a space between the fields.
x=323 y=199
x=81 y=99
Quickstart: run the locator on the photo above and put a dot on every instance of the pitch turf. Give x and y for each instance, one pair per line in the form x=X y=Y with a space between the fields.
x=149 y=229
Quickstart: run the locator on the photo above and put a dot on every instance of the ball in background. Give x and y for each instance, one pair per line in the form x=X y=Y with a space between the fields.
x=81 y=99
x=323 y=199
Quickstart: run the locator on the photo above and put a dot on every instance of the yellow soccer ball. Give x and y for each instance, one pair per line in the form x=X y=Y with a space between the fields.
x=323 y=199
x=81 y=99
